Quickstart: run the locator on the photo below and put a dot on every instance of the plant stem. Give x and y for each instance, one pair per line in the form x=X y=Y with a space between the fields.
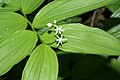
x=29 y=22
x=33 y=28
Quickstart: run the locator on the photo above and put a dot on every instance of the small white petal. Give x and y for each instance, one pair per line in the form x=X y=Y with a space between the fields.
x=55 y=21
x=56 y=33
x=55 y=26
x=58 y=30
x=57 y=37
x=49 y=24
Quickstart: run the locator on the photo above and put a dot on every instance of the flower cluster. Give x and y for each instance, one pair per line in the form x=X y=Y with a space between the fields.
x=58 y=33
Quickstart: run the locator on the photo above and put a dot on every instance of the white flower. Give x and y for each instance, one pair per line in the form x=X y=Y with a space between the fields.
x=58 y=30
x=58 y=33
x=55 y=21
x=60 y=40
x=49 y=24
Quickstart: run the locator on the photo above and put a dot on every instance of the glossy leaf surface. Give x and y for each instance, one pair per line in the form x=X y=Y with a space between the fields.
x=83 y=39
x=115 y=31
x=116 y=14
x=115 y=64
x=9 y=5
x=42 y=64
x=62 y=9
x=11 y=22
x=14 y=48
x=29 y=6
x=114 y=6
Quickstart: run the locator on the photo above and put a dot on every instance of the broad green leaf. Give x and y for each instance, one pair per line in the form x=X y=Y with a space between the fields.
x=62 y=9
x=11 y=22
x=48 y=38
x=83 y=39
x=9 y=5
x=42 y=64
x=115 y=64
x=115 y=31
x=42 y=30
x=75 y=19
x=15 y=47
x=29 y=6
x=114 y=6
x=116 y=14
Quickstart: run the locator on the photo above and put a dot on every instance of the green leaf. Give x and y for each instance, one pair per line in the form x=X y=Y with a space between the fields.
x=9 y=5
x=115 y=31
x=42 y=64
x=29 y=6
x=115 y=64
x=114 y=6
x=15 y=47
x=48 y=38
x=11 y=22
x=62 y=9
x=116 y=14
x=83 y=39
